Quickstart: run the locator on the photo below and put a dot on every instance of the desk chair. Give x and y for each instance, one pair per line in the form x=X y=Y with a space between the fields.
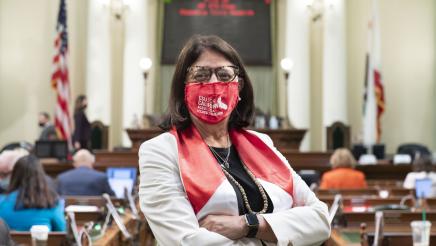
x=14 y=145
x=338 y=136
x=99 y=135
x=413 y=150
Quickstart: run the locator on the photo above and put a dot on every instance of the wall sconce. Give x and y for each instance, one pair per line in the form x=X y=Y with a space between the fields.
x=145 y=64
x=287 y=65
x=117 y=7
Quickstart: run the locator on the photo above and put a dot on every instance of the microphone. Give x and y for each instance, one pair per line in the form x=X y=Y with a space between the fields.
x=335 y=206
x=112 y=210
x=131 y=202
x=73 y=226
x=378 y=237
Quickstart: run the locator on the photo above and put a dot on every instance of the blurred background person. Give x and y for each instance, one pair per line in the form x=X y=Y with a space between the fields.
x=343 y=175
x=5 y=236
x=48 y=130
x=8 y=158
x=422 y=169
x=29 y=199
x=82 y=127
x=83 y=180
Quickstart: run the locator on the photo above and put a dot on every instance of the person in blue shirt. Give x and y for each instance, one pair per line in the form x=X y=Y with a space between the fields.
x=29 y=200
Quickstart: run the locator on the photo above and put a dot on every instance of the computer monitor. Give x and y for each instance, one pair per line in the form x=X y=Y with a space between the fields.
x=377 y=149
x=358 y=150
x=423 y=188
x=51 y=149
x=120 y=178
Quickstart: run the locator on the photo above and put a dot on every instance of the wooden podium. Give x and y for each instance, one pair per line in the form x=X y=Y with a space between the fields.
x=284 y=139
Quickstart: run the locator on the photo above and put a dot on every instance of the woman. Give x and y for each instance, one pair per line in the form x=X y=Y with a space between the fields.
x=210 y=182
x=29 y=200
x=82 y=127
x=343 y=175
x=422 y=169
x=8 y=158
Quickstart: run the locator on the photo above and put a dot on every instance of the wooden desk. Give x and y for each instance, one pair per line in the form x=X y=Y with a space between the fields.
x=98 y=201
x=116 y=158
x=384 y=183
x=299 y=160
x=104 y=159
x=385 y=171
x=54 y=167
x=284 y=139
x=54 y=238
x=391 y=236
x=391 y=218
x=114 y=236
x=373 y=200
x=319 y=161
x=364 y=201
x=396 y=230
x=394 y=192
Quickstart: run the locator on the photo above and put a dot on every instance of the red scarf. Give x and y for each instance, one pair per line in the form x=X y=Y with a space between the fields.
x=201 y=174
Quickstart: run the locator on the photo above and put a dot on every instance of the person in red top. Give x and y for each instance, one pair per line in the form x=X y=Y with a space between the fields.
x=343 y=175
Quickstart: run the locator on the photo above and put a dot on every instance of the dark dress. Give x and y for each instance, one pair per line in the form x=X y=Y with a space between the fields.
x=82 y=130
x=238 y=172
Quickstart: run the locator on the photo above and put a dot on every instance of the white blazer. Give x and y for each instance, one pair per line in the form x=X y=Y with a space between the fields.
x=298 y=220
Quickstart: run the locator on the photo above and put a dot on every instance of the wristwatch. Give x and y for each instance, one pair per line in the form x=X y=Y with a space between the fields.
x=252 y=223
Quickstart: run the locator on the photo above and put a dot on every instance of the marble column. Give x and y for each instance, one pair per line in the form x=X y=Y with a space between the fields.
x=297 y=48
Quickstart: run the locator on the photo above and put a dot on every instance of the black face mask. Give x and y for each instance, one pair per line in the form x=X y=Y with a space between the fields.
x=41 y=124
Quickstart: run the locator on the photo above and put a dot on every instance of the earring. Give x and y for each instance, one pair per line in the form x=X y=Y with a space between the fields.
x=239 y=98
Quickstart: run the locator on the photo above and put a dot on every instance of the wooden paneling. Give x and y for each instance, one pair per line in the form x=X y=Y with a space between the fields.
x=284 y=139
x=318 y=161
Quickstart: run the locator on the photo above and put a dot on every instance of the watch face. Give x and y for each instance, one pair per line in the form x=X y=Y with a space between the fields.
x=252 y=219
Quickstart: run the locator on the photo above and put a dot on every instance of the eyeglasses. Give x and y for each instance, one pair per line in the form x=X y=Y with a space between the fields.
x=203 y=74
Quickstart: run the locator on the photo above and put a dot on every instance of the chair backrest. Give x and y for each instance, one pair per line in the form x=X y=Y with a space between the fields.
x=309 y=176
x=99 y=135
x=413 y=150
x=14 y=145
x=338 y=136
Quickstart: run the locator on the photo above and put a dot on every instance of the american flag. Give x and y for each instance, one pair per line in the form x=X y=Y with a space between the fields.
x=59 y=78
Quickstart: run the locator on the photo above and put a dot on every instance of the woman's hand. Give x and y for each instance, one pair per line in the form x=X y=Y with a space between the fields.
x=232 y=227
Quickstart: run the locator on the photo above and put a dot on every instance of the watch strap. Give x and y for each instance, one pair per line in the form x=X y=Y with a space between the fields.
x=252 y=223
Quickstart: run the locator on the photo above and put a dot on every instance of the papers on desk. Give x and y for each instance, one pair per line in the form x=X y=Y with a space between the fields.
x=357 y=209
x=81 y=208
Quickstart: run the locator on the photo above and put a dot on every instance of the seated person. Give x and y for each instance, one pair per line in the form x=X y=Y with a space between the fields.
x=29 y=200
x=422 y=169
x=343 y=175
x=83 y=180
x=8 y=158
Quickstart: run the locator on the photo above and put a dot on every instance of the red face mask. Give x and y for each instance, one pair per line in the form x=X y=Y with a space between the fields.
x=211 y=102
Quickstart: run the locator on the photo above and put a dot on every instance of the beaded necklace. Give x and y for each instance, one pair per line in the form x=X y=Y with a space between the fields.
x=225 y=166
